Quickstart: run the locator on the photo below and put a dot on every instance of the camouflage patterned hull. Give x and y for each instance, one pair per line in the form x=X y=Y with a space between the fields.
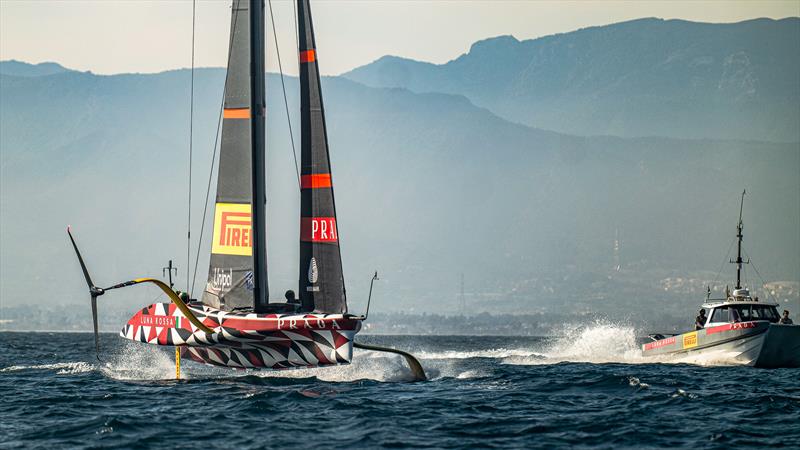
x=759 y=344
x=248 y=340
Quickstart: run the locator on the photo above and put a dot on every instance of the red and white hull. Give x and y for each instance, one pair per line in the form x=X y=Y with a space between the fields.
x=248 y=340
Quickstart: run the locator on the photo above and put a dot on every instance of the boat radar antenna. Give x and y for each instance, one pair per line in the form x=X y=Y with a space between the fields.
x=739 y=261
x=169 y=270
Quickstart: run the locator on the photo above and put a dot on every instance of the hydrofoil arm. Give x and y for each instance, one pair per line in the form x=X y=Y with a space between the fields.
x=413 y=364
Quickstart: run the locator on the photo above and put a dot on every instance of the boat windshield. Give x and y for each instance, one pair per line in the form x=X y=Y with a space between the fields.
x=745 y=313
x=720 y=315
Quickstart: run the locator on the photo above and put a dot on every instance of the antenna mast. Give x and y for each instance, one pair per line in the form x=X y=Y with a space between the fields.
x=170 y=269
x=739 y=235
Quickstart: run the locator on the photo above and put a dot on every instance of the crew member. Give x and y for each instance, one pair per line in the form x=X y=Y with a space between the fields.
x=290 y=298
x=183 y=296
x=700 y=321
x=785 y=320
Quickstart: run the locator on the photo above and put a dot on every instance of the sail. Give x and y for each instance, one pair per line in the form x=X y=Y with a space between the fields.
x=230 y=274
x=321 y=279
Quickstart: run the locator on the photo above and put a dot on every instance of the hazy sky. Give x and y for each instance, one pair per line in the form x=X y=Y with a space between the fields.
x=151 y=36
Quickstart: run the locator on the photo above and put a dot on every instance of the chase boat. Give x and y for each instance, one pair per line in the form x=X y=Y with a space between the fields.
x=739 y=329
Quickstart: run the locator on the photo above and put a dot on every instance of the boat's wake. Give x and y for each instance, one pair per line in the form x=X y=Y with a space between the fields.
x=135 y=362
x=62 y=368
x=606 y=342
x=600 y=342
x=148 y=363
x=487 y=353
x=707 y=358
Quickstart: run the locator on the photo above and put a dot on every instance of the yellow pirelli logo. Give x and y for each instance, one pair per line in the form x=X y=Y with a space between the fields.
x=690 y=340
x=232 y=229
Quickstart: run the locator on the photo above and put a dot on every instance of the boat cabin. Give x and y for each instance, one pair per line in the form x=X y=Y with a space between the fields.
x=739 y=307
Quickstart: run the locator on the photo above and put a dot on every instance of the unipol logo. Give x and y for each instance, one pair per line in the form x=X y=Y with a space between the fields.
x=221 y=279
x=318 y=229
x=232 y=229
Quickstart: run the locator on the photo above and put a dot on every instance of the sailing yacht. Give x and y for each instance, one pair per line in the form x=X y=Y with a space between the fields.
x=739 y=328
x=233 y=323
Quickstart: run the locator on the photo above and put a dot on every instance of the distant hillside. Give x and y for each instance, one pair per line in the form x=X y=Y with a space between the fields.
x=428 y=186
x=23 y=69
x=647 y=77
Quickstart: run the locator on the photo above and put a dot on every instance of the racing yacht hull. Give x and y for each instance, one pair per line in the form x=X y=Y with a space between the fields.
x=758 y=343
x=248 y=340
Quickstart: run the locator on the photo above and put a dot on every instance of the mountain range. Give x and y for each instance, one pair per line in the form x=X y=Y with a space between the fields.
x=430 y=185
x=646 y=77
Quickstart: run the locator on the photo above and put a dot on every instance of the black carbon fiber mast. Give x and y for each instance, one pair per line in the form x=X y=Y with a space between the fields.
x=258 y=141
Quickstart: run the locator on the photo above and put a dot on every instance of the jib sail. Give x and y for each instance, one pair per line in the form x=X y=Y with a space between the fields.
x=231 y=275
x=321 y=280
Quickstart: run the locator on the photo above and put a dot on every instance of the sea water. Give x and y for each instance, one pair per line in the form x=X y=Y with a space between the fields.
x=586 y=388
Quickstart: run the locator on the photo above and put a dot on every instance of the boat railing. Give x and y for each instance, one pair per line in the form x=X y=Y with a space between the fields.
x=660 y=336
x=715 y=301
x=718 y=301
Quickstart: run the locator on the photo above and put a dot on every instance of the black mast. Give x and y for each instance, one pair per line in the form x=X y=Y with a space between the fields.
x=258 y=139
x=739 y=235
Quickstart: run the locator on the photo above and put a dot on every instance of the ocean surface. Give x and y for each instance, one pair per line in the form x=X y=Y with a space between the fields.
x=587 y=388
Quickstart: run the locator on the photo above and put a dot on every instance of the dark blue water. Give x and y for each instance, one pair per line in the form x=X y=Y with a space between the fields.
x=587 y=390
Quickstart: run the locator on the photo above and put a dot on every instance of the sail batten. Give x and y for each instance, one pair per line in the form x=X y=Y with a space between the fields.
x=321 y=278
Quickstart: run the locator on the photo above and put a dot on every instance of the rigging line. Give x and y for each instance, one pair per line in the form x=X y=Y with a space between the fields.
x=727 y=255
x=283 y=85
x=208 y=194
x=191 y=140
x=157 y=298
x=217 y=144
x=763 y=283
x=744 y=277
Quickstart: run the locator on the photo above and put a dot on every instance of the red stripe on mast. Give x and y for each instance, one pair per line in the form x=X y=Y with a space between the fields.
x=308 y=56
x=236 y=113
x=315 y=181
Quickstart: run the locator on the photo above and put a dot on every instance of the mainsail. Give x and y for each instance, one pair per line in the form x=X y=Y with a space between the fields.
x=321 y=279
x=231 y=278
